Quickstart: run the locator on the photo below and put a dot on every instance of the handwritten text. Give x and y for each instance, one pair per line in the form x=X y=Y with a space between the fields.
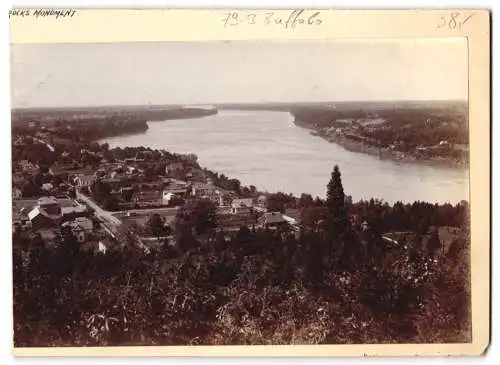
x=294 y=19
x=454 y=21
x=42 y=13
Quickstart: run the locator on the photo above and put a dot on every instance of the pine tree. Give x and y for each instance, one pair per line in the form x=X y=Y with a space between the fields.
x=335 y=201
x=434 y=243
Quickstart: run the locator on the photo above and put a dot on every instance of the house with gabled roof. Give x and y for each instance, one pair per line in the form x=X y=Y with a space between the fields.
x=80 y=227
x=211 y=192
x=272 y=220
x=242 y=206
x=40 y=219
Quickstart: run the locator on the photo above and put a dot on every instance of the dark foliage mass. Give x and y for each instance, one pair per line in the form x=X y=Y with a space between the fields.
x=412 y=126
x=332 y=282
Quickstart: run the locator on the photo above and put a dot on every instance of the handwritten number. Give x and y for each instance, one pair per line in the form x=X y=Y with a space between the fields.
x=453 y=21
x=443 y=21
x=226 y=18
x=235 y=18
x=251 y=18
x=230 y=19
x=290 y=21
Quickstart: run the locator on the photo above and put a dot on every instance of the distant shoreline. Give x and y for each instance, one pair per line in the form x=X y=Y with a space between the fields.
x=47 y=117
x=360 y=147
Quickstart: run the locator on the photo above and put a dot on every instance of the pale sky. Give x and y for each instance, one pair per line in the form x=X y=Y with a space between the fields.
x=222 y=72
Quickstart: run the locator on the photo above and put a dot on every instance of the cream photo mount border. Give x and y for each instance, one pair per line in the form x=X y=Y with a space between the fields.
x=196 y=25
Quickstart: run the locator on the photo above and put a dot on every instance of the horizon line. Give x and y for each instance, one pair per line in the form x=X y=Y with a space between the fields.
x=456 y=100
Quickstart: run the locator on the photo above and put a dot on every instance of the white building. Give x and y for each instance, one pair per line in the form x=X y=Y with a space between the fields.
x=79 y=233
x=202 y=189
x=102 y=248
x=262 y=201
x=364 y=226
x=169 y=194
x=17 y=193
x=27 y=165
x=47 y=187
x=80 y=227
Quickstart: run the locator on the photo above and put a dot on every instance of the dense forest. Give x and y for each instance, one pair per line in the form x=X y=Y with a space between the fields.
x=332 y=283
x=410 y=126
x=87 y=129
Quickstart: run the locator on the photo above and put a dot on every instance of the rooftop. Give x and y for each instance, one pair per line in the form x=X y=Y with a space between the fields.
x=28 y=205
x=42 y=212
x=84 y=223
x=272 y=217
x=237 y=203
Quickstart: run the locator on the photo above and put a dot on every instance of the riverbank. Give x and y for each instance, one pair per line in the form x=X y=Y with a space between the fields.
x=382 y=153
x=51 y=117
x=267 y=150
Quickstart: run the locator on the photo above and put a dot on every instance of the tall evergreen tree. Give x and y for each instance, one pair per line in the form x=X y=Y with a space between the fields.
x=434 y=243
x=335 y=200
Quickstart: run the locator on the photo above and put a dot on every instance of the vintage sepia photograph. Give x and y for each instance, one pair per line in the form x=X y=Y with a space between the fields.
x=241 y=193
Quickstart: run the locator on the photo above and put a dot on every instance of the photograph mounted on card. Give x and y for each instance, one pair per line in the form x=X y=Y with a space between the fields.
x=250 y=182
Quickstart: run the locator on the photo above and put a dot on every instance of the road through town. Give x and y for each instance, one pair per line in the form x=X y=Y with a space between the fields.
x=100 y=213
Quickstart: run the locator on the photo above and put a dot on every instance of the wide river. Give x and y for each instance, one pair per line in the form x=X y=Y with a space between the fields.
x=267 y=150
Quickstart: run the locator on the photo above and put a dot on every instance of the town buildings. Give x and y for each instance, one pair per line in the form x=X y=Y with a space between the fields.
x=261 y=203
x=140 y=185
x=81 y=228
x=84 y=180
x=16 y=193
x=272 y=220
x=211 y=192
x=28 y=167
x=46 y=213
x=171 y=194
x=242 y=206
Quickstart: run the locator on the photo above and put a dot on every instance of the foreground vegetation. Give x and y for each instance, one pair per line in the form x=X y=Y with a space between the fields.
x=332 y=282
